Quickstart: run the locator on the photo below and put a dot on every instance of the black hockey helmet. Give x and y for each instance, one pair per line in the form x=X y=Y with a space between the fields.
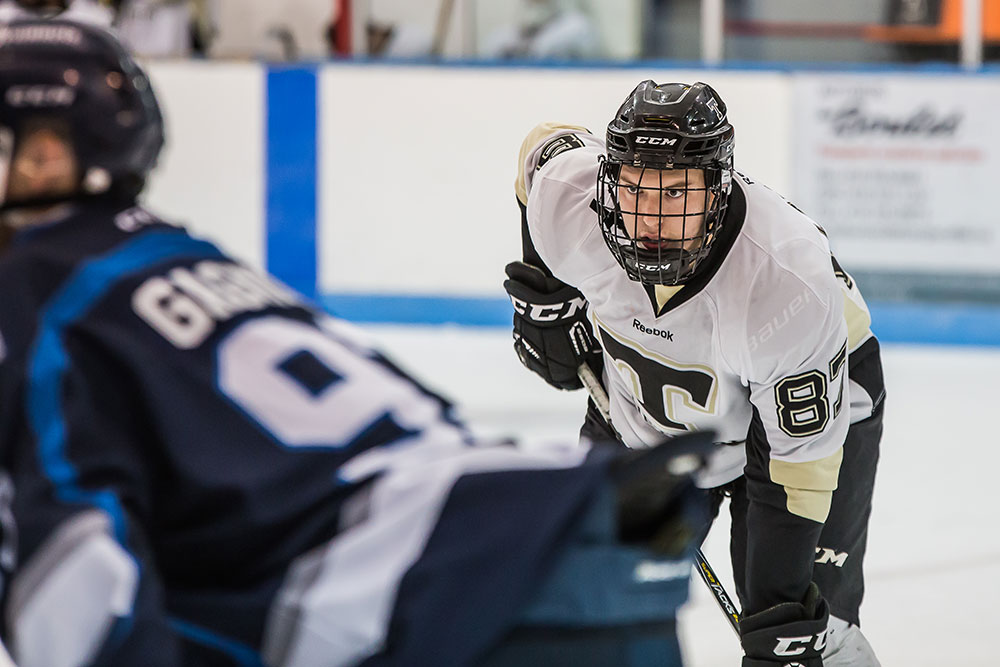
x=671 y=126
x=78 y=78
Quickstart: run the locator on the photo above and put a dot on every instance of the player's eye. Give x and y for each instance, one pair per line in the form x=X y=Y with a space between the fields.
x=674 y=193
x=631 y=189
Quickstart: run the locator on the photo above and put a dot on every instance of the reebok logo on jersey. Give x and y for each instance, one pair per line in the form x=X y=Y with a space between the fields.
x=639 y=326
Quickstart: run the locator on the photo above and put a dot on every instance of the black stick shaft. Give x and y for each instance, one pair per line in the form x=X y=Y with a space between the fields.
x=718 y=591
x=600 y=398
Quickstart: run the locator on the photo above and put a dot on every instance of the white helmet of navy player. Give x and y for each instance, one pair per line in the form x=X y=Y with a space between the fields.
x=665 y=182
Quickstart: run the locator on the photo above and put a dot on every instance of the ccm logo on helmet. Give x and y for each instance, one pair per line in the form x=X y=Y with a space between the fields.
x=40 y=96
x=656 y=141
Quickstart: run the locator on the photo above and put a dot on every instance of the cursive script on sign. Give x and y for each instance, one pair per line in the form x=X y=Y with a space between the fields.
x=854 y=121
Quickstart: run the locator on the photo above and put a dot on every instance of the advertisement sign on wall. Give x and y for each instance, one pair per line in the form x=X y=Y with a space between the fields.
x=901 y=171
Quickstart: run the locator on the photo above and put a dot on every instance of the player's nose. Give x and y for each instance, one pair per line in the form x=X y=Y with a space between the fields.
x=655 y=220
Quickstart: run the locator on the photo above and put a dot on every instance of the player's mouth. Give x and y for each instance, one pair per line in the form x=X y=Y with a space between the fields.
x=657 y=244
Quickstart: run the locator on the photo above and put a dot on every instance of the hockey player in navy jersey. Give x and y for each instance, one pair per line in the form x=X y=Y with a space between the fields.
x=711 y=303
x=207 y=471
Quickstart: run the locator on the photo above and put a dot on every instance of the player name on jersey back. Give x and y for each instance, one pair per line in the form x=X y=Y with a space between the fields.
x=186 y=304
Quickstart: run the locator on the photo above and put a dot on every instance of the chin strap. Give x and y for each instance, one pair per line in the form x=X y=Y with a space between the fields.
x=5 y=235
x=26 y=205
x=78 y=197
x=25 y=213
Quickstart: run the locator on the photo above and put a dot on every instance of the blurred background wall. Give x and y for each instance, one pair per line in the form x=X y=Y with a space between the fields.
x=364 y=150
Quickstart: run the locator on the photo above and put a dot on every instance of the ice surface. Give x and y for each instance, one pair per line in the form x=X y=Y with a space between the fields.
x=933 y=564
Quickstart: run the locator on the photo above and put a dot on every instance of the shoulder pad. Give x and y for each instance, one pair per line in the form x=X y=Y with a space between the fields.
x=557 y=139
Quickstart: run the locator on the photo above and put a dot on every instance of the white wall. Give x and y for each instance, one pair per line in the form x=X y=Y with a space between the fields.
x=418 y=164
x=211 y=173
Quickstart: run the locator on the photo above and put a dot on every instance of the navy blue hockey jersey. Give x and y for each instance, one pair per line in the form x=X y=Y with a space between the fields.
x=207 y=470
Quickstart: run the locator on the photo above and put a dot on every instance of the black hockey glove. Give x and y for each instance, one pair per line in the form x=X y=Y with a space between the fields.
x=791 y=633
x=658 y=504
x=552 y=336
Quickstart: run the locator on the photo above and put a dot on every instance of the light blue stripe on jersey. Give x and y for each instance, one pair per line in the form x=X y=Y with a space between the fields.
x=49 y=359
x=291 y=176
x=241 y=654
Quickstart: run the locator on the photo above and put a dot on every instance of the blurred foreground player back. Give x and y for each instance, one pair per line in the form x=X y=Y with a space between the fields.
x=208 y=471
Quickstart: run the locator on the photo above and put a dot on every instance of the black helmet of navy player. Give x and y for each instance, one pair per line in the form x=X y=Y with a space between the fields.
x=665 y=181
x=78 y=81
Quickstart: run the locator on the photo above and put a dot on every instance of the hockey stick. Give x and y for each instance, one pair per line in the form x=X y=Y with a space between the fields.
x=600 y=398
x=714 y=585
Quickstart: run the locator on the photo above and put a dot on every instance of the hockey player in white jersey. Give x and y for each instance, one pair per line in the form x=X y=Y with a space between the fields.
x=706 y=300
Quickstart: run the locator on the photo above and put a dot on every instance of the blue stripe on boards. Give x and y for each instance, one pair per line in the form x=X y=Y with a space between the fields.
x=419 y=309
x=951 y=323
x=955 y=324
x=291 y=174
x=49 y=358
x=241 y=654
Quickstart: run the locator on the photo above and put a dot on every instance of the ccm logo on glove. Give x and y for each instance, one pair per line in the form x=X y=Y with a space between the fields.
x=548 y=312
x=787 y=645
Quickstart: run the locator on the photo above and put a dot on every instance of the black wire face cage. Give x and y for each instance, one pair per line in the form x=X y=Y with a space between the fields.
x=660 y=235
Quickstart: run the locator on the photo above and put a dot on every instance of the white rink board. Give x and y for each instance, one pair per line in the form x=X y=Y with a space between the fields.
x=211 y=172
x=418 y=163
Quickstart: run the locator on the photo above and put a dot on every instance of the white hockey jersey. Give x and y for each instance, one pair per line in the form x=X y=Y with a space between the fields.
x=764 y=334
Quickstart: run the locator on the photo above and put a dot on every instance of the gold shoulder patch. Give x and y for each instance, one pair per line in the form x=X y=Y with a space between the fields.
x=859 y=322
